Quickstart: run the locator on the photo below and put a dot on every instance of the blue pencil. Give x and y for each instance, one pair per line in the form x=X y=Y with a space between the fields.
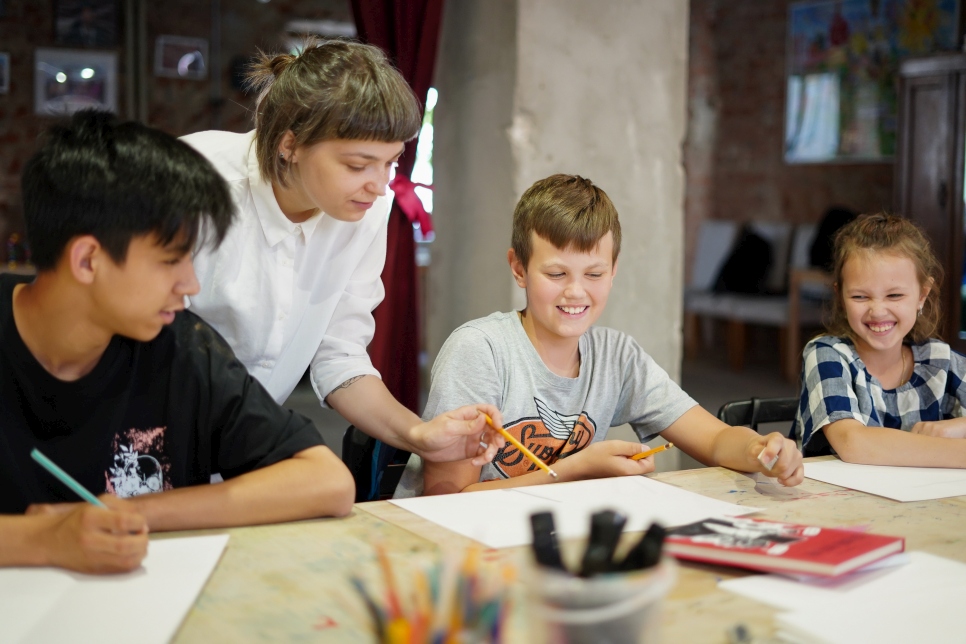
x=65 y=478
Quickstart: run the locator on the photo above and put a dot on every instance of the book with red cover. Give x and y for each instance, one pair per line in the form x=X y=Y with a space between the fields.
x=779 y=547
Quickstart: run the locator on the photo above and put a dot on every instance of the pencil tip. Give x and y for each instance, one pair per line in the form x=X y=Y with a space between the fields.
x=552 y=473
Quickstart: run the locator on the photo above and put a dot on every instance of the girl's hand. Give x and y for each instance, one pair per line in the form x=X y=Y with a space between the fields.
x=779 y=457
x=951 y=428
x=604 y=459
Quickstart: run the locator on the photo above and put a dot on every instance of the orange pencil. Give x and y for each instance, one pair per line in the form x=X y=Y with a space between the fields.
x=505 y=434
x=395 y=607
x=638 y=457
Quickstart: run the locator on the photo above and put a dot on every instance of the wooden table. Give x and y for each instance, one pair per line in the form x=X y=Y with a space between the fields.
x=289 y=582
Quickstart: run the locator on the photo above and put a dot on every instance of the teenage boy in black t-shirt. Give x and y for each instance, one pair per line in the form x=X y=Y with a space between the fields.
x=102 y=370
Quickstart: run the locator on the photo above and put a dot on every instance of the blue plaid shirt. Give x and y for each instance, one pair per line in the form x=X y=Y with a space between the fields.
x=836 y=385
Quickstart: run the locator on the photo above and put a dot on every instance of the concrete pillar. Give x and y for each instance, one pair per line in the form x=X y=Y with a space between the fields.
x=528 y=88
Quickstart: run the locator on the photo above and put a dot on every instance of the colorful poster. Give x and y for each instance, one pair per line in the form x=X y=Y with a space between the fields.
x=843 y=62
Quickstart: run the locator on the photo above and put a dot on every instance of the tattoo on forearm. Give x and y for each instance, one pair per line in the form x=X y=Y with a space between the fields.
x=346 y=384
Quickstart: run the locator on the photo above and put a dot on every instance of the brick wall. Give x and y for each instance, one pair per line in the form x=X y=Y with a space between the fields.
x=174 y=105
x=734 y=152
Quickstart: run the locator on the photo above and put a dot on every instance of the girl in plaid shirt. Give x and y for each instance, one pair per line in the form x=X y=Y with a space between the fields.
x=879 y=369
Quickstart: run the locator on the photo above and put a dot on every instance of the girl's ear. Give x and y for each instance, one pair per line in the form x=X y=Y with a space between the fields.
x=925 y=290
x=517 y=268
x=286 y=147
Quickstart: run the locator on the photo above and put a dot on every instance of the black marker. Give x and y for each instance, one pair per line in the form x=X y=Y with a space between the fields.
x=605 y=531
x=646 y=552
x=545 y=548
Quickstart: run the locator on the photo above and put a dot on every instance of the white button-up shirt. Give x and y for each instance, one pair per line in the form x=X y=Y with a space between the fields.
x=284 y=295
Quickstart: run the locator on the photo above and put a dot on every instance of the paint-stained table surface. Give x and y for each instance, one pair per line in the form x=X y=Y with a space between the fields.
x=291 y=582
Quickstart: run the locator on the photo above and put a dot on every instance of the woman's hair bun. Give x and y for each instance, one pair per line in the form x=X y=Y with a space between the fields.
x=280 y=62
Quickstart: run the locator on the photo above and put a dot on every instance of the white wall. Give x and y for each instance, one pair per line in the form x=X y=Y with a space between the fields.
x=473 y=174
x=532 y=87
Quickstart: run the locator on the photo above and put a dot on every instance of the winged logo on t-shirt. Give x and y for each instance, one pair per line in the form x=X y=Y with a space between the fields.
x=551 y=435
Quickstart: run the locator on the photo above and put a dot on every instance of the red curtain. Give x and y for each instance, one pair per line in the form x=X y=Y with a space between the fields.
x=408 y=31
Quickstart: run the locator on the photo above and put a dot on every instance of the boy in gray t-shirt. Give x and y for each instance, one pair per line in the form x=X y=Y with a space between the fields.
x=560 y=382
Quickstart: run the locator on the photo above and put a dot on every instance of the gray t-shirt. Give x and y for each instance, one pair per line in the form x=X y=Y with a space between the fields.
x=491 y=360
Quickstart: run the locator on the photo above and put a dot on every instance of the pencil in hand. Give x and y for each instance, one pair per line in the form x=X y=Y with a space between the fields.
x=66 y=478
x=638 y=457
x=523 y=450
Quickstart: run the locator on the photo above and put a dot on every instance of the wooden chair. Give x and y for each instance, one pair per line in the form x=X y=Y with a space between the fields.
x=789 y=313
x=812 y=278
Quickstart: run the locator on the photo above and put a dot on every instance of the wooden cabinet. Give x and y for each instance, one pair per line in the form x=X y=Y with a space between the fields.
x=929 y=170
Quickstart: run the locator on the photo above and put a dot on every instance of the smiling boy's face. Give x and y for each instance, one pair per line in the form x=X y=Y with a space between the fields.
x=138 y=297
x=567 y=289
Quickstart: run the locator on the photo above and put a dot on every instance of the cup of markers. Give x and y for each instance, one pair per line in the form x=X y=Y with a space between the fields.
x=608 y=599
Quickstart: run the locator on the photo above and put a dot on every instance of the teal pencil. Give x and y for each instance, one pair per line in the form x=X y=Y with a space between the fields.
x=65 y=478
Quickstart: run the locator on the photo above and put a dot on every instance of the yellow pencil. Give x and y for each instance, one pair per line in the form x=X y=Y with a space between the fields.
x=519 y=446
x=638 y=457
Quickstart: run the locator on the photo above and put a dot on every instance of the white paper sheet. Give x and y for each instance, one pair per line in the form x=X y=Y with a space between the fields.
x=896 y=620
x=501 y=518
x=146 y=605
x=898 y=483
x=918 y=602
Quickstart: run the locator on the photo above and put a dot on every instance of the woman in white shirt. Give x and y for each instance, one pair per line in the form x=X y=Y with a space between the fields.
x=295 y=281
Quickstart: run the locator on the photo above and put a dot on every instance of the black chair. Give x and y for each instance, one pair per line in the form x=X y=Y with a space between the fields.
x=375 y=466
x=756 y=411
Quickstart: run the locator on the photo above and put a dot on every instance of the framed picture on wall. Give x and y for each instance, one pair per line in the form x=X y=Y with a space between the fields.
x=843 y=60
x=85 y=23
x=181 y=57
x=67 y=80
x=4 y=73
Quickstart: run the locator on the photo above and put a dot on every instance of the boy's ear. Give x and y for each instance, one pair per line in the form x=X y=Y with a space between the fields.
x=517 y=268
x=286 y=147
x=82 y=257
x=613 y=272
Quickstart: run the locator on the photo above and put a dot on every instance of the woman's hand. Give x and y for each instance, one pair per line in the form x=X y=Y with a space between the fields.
x=460 y=434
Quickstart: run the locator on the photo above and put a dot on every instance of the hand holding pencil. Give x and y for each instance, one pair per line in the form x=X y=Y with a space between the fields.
x=87 y=537
x=649 y=452
x=457 y=435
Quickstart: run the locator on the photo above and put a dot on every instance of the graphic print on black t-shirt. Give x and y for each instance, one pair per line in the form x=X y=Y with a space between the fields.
x=550 y=436
x=141 y=465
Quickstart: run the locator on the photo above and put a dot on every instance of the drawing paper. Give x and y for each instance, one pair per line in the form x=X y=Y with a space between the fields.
x=924 y=576
x=898 y=483
x=919 y=602
x=39 y=605
x=501 y=518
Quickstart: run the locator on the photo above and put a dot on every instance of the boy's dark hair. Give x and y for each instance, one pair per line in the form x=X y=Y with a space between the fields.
x=566 y=210
x=330 y=89
x=95 y=175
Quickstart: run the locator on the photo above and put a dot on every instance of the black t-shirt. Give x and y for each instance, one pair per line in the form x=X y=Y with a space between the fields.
x=151 y=416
